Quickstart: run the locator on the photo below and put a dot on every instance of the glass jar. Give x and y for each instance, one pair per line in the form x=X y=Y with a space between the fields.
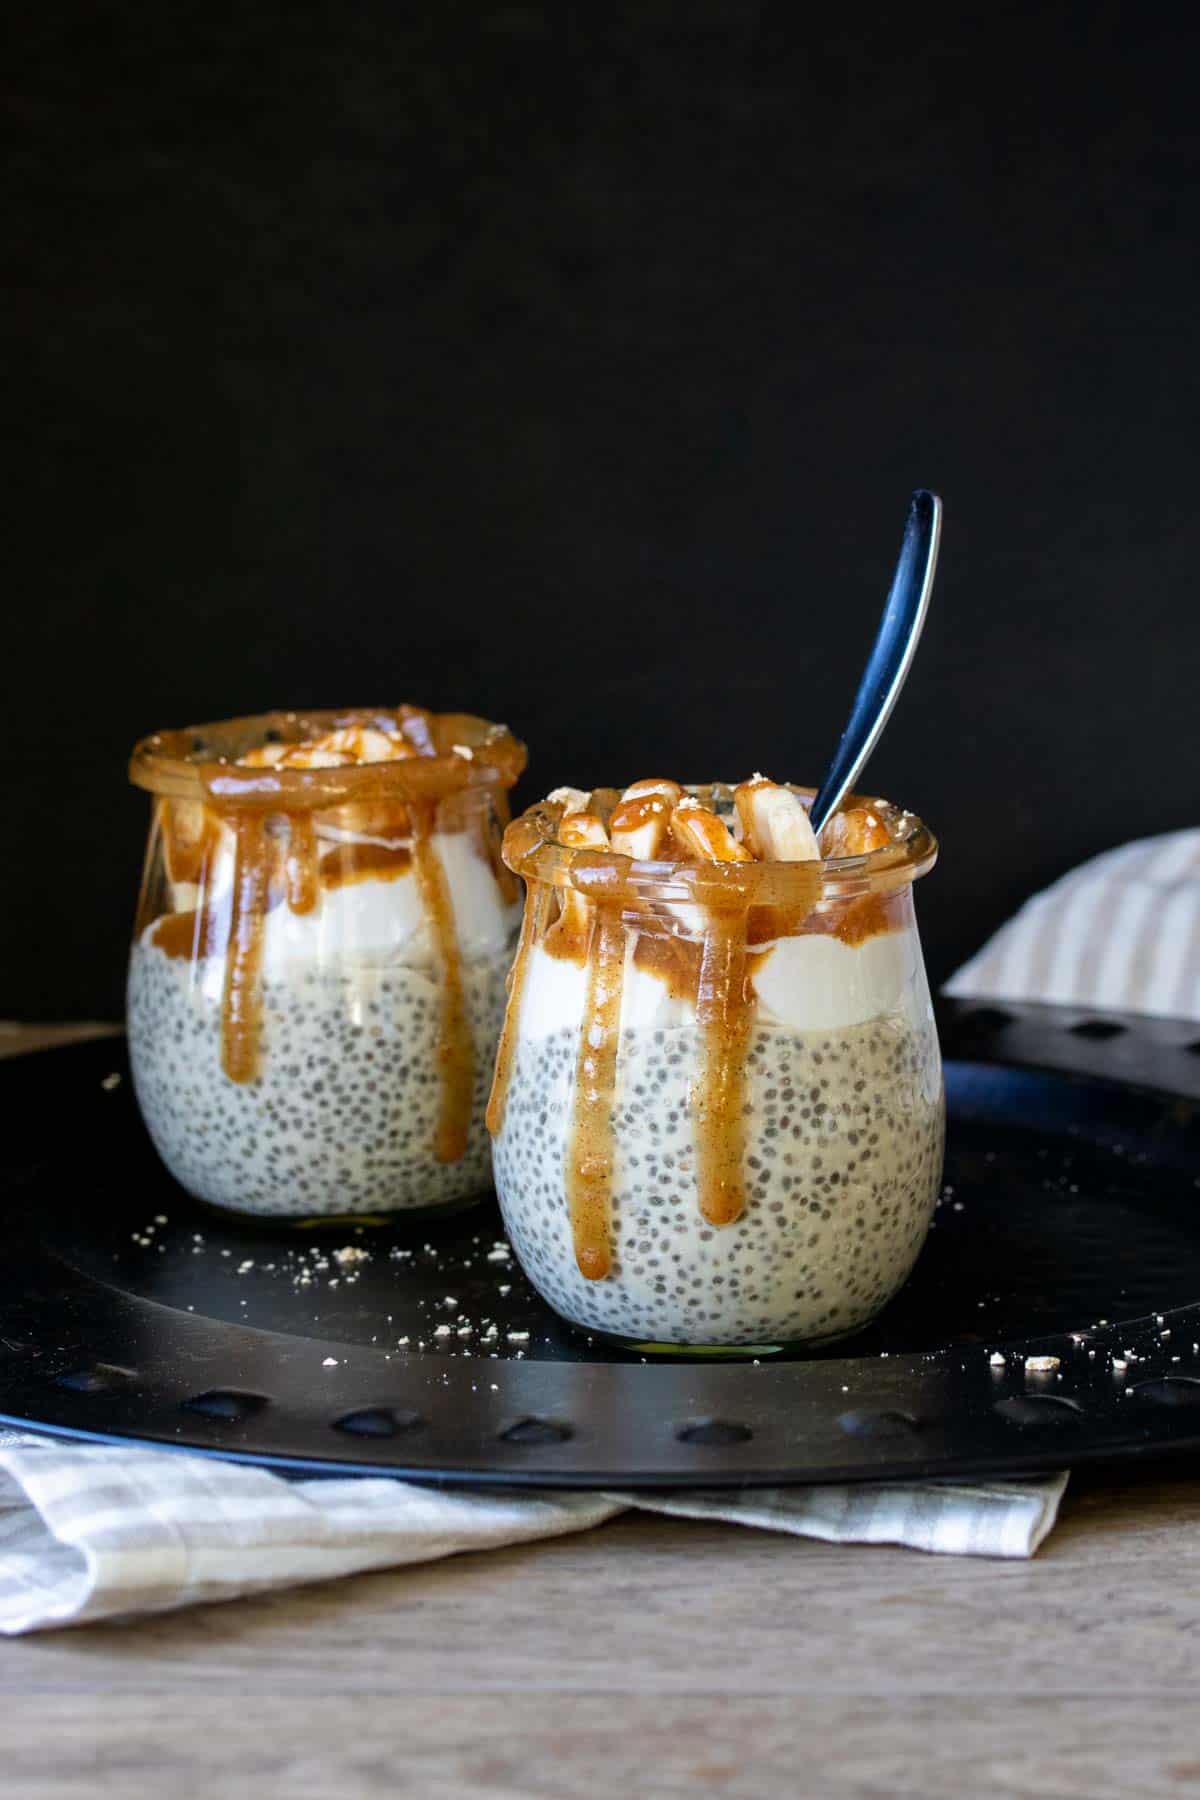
x=718 y=1115
x=316 y=985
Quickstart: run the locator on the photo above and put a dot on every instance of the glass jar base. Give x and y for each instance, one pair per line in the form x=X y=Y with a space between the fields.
x=789 y=1347
x=340 y=1222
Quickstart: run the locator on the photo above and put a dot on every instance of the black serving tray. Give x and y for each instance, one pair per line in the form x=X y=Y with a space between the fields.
x=1070 y=1228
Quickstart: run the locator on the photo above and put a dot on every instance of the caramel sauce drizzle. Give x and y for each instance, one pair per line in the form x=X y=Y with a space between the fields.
x=724 y=1009
x=533 y=926
x=569 y=936
x=589 y=1160
x=347 y=864
x=631 y=815
x=674 y=960
x=870 y=915
x=197 y=934
x=242 y=1005
x=455 y=1049
x=303 y=884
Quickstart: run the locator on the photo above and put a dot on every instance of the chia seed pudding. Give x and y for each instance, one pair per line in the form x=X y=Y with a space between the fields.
x=342 y=1115
x=316 y=986
x=718 y=1119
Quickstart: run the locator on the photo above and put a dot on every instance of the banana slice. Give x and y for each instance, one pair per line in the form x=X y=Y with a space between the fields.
x=774 y=822
x=855 y=832
x=335 y=750
x=583 y=831
x=362 y=744
x=315 y=756
x=417 y=724
x=641 y=822
x=701 y=835
x=570 y=934
x=264 y=756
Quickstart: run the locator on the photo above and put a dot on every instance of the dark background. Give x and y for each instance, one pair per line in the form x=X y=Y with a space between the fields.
x=574 y=365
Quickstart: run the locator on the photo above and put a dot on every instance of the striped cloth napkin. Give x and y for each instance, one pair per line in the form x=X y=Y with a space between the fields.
x=91 y=1533
x=1120 y=933
x=95 y=1533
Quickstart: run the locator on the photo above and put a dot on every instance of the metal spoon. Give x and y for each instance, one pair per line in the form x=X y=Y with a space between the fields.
x=891 y=655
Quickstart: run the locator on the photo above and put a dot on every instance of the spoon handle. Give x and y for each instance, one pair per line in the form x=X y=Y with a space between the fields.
x=891 y=656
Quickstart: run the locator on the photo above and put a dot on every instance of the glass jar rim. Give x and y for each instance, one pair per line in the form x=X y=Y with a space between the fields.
x=200 y=762
x=531 y=850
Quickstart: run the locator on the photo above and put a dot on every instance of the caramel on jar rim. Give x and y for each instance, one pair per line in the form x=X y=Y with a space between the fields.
x=449 y=752
x=536 y=847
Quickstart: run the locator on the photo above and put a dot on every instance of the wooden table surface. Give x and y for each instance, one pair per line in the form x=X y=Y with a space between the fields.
x=656 y=1657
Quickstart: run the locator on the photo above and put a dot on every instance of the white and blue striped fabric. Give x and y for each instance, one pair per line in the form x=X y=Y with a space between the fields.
x=97 y=1533
x=1120 y=933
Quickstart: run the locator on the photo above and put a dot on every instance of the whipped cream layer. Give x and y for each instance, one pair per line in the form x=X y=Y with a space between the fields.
x=810 y=982
x=371 y=918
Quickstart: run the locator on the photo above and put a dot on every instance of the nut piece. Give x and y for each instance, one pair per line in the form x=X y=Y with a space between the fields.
x=774 y=822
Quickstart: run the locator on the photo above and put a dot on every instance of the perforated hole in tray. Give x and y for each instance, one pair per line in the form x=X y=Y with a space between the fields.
x=230 y=1404
x=97 y=1378
x=714 y=1433
x=537 y=1431
x=378 y=1422
x=1039 y=1410
x=1170 y=1390
x=886 y=1424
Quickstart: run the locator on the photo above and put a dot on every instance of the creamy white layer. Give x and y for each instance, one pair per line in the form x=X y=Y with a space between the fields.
x=377 y=921
x=812 y=983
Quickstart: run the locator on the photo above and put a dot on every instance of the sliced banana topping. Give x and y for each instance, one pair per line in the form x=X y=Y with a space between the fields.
x=334 y=750
x=855 y=832
x=760 y=820
x=702 y=835
x=641 y=823
x=583 y=831
x=417 y=724
x=774 y=822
